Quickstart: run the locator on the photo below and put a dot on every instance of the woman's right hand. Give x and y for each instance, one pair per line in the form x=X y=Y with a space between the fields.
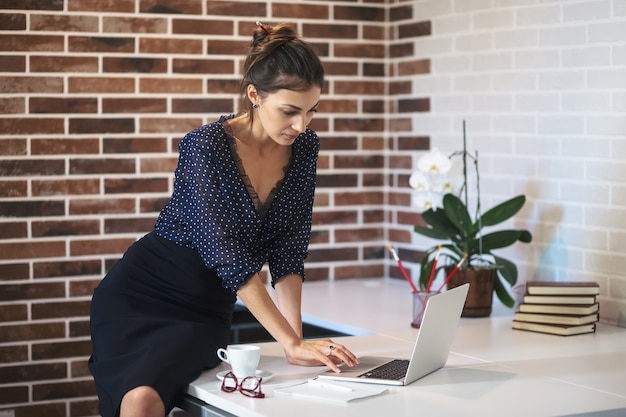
x=316 y=352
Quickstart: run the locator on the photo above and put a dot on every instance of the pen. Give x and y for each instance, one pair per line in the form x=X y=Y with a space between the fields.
x=320 y=384
x=404 y=272
x=451 y=274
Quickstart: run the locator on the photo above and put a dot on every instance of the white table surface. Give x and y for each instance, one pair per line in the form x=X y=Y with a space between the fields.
x=492 y=369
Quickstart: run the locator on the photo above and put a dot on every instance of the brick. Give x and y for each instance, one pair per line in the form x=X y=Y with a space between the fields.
x=375 y=32
x=402 y=12
x=374 y=216
x=203 y=66
x=102 y=206
x=12 y=63
x=134 y=105
x=360 y=87
x=332 y=31
x=13 y=21
x=421 y=66
x=329 y=143
x=81 y=289
x=65 y=228
x=151 y=165
x=337 y=181
x=13 y=394
x=317 y=274
x=150 y=205
x=359 y=198
x=334 y=254
x=62 y=105
x=65 y=146
x=414 y=105
x=99 y=247
x=359 y=13
x=202 y=27
x=50 y=310
x=12 y=292
x=374 y=143
x=320 y=125
x=80 y=329
x=84 y=408
x=143 y=65
x=359 y=235
x=170 y=46
x=135 y=185
x=401 y=125
x=341 y=68
x=320 y=236
x=171 y=6
x=12 y=146
x=32 y=4
x=63 y=23
x=401 y=50
x=414 y=29
x=12 y=272
x=13 y=230
x=355 y=50
x=234 y=8
x=30 y=43
x=359 y=271
x=31 y=208
x=134 y=25
x=131 y=225
x=160 y=85
x=134 y=145
x=335 y=106
x=359 y=161
x=31 y=85
x=295 y=10
x=222 y=86
x=104 y=125
x=42 y=351
x=73 y=268
x=203 y=105
x=93 y=44
x=11 y=105
x=64 y=390
x=335 y=217
x=13 y=188
x=32 y=125
x=363 y=125
x=48 y=410
x=374 y=106
x=13 y=312
x=413 y=143
x=28 y=167
x=108 y=6
x=65 y=63
x=85 y=85
x=30 y=372
x=400 y=87
x=226 y=47
x=178 y=125
x=373 y=69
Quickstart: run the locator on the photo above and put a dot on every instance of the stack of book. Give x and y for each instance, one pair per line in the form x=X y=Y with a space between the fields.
x=562 y=308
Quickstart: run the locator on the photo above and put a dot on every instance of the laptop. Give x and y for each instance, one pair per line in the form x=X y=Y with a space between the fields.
x=430 y=352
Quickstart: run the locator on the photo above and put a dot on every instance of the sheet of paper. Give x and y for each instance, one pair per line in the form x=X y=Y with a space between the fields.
x=335 y=392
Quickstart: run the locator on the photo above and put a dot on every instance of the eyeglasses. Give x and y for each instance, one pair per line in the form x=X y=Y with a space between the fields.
x=250 y=386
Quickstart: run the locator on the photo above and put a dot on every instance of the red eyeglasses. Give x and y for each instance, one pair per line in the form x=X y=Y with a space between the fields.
x=250 y=386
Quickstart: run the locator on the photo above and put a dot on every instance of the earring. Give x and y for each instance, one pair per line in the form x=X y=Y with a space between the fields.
x=255 y=106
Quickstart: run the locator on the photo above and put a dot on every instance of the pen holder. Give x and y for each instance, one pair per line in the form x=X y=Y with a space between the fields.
x=419 y=307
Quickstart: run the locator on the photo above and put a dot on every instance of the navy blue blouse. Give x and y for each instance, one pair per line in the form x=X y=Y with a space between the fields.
x=212 y=211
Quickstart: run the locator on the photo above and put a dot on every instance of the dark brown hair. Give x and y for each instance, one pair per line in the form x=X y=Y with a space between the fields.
x=278 y=59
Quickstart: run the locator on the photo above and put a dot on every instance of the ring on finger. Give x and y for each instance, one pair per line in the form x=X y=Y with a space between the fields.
x=330 y=349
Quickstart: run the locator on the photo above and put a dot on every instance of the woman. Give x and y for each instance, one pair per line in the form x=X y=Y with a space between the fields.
x=243 y=196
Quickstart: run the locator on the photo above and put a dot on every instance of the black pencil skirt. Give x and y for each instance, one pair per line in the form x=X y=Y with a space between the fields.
x=157 y=319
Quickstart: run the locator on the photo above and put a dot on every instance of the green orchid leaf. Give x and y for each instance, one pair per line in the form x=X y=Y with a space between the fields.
x=503 y=211
x=525 y=236
x=456 y=211
x=507 y=270
x=500 y=239
x=503 y=294
x=438 y=220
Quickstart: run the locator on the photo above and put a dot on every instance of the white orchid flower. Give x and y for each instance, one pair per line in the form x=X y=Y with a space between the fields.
x=419 y=181
x=434 y=162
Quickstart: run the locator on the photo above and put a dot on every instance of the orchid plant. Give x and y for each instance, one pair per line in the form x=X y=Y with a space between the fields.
x=440 y=181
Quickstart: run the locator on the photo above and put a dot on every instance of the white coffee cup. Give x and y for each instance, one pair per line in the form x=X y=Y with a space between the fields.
x=244 y=359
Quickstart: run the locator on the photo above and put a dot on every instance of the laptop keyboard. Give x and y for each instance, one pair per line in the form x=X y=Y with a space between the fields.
x=393 y=370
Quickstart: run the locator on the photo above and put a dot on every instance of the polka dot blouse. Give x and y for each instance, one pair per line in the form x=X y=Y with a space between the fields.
x=211 y=209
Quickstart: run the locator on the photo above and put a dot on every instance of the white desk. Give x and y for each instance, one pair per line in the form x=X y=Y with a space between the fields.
x=492 y=369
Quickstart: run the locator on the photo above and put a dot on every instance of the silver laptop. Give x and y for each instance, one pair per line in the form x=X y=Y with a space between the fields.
x=430 y=352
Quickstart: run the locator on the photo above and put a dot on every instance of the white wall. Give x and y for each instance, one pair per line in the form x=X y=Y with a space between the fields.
x=542 y=87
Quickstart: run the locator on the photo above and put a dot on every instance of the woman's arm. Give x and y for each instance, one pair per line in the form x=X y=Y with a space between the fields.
x=300 y=352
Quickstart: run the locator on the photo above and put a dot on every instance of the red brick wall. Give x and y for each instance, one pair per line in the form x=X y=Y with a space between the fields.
x=94 y=97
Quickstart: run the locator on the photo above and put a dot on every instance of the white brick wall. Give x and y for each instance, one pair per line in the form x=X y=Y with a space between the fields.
x=542 y=86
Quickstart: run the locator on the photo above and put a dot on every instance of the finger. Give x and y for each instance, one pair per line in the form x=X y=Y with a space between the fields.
x=343 y=353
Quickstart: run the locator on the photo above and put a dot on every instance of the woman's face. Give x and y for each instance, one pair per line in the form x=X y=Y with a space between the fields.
x=285 y=114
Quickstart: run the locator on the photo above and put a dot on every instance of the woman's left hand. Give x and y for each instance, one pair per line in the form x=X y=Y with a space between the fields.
x=316 y=352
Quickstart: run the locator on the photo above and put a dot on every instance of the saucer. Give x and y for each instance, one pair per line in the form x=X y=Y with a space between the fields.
x=266 y=375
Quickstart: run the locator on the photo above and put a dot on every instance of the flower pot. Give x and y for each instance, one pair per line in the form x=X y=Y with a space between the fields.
x=480 y=295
